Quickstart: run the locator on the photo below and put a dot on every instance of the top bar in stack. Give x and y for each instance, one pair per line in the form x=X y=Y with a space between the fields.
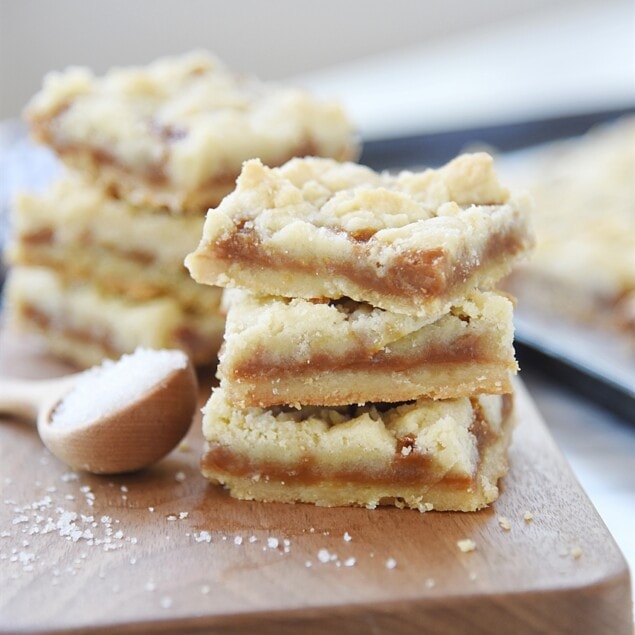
x=175 y=133
x=414 y=243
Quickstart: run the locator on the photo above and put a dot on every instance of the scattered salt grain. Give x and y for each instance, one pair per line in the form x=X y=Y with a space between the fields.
x=112 y=386
x=528 y=516
x=203 y=536
x=324 y=556
x=349 y=562
x=238 y=540
x=183 y=515
x=272 y=543
x=150 y=586
x=391 y=563
x=166 y=602
x=180 y=476
x=347 y=537
x=205 y=589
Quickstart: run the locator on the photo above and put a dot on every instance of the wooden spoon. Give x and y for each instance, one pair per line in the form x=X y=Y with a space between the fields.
x=131 y=432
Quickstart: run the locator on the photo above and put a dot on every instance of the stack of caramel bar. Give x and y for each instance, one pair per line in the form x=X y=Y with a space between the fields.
x=367 y=358
x=98 y=259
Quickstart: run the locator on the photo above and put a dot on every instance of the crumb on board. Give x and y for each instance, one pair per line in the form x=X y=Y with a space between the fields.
x=466 y=545
x=504 y=523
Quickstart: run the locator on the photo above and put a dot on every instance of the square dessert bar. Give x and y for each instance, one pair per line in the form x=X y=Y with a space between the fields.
x=81 y=233
x=583 y=268
x=175 y=133
x=414 y=243
x=445 y=455
x=83 y=325
x=294 y=351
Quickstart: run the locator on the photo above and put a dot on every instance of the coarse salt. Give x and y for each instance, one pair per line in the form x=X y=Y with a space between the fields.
x=112 y=386
x=166 y=602
x=323 y=556
x=203 y=536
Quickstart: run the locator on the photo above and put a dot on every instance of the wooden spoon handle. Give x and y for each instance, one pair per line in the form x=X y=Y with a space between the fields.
x=24 y=398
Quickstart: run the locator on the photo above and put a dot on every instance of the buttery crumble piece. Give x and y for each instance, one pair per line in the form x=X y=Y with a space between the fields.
x=466 y=545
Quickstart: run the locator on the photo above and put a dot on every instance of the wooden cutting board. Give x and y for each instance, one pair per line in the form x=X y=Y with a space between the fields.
x=165 y=552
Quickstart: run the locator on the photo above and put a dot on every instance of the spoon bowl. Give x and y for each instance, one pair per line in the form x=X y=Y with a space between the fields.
x=125 y=439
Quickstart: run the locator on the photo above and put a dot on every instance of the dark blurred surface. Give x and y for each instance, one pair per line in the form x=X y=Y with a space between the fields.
x=439 y=147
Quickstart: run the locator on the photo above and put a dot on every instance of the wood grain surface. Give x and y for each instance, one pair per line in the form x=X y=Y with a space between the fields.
x=163 y=551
